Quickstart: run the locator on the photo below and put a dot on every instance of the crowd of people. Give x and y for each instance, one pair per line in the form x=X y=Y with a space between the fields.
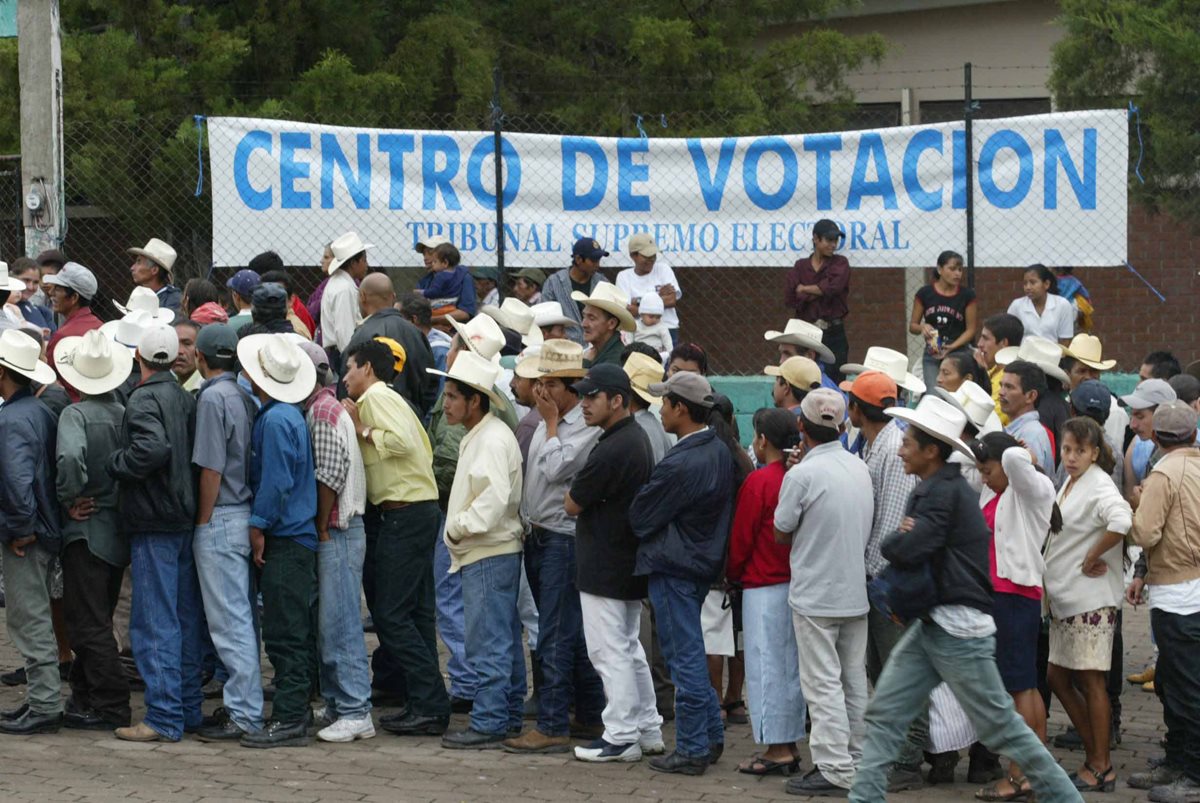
x=900 y=567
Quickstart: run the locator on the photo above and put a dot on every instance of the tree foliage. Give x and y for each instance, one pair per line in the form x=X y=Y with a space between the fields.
x=1117 y=51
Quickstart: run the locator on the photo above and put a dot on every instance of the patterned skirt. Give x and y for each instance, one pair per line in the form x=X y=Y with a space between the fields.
x=1084 y=641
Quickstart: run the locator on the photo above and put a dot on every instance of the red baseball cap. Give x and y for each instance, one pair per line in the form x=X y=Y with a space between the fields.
x=873 y=387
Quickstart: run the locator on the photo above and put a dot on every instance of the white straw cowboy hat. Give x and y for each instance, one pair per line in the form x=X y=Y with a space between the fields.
x=146 y=300
x=803 y=334
x=1087 y=349
x=158 y=252
x=481 y=334
x=550 y=313
x=278 y=366
x=128 y=330
x=558 y=359
x=895 y=365
x=1043 y=353
x=516 y=315
x=976 y=403
x=937 y=417
x=471 y=369
x=92 y=364
x=345 y=247
x=644 y=371
x=612 y=299
x=19 y=352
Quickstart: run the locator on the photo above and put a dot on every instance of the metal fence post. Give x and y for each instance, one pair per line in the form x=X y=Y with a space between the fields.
x=968 y=114
x=497 y=126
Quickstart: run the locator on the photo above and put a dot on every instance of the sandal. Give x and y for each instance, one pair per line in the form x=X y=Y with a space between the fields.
x=1103 y=782
x=993 y=793
x=736 y=719
x=764 y=766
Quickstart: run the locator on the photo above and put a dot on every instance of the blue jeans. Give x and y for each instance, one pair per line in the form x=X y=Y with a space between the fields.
x=222 y=552
x=493 y=642
x=566 y=670
x=164 y=626
x=677 y=603
x=925 y=656
x=345 y=668
x=448 y=595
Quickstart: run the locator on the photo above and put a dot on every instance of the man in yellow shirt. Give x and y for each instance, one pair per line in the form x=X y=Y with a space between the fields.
x=998 y=332
x=400 y=535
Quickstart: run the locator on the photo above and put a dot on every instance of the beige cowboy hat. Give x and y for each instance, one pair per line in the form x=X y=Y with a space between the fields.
x=937 y=417
x=157 y=252
x=146 y=300
x=128 y=330
x=92 y=364
x=481 y=334
x=21 y=353
x=550 y=313
x=1043 y=353
x=804 y=334
x=612 y=299
x=516 y=315
x=895 y=365
x=558 y=359
x=1087 y=349
x=976 y=403
x=278 y=366
x=644 y=371
x=345 y=247
x=471 y=369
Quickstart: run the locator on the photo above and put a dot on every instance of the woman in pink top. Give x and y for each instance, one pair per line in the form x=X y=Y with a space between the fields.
x=1018 y=505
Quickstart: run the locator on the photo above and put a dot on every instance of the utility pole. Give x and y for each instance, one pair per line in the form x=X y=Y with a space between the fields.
x=40 y=65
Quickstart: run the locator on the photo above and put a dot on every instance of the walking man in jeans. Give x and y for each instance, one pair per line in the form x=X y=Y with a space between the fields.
x=341 y=550
x=682 y=517
x=943 y=533
x=224 y=417
x=399 y=470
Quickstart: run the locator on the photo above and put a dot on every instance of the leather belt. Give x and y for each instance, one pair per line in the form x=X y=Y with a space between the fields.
x=821 y=323
x=389 y=505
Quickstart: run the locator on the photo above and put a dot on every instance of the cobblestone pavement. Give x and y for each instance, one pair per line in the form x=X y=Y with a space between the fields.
x=89 y=766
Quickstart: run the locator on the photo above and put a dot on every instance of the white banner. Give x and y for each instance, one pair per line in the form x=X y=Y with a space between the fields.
x=1048 y=188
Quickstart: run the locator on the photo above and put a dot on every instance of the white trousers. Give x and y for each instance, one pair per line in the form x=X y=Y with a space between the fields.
x=610 y=627
x=833 y=677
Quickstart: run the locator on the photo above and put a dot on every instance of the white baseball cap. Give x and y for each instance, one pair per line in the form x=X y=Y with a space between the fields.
x=159 y=344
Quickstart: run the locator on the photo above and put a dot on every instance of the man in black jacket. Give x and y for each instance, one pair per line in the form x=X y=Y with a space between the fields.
x=158 y=506
x=376 y=298
x=682 y=517
x=954 y=640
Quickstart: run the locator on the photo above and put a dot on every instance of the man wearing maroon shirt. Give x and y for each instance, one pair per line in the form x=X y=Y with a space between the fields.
x=71 y=292
x=817 y=288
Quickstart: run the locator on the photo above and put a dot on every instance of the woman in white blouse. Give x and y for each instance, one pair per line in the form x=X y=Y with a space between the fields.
x=1083 y=581
x=1041 y=311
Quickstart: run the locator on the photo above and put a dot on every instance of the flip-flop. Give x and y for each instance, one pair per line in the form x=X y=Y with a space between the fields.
x=736 y=719
x=992 y=793
x=764 y=766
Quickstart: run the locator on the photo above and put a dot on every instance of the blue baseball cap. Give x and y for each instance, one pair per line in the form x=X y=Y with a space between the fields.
x=243 y=282
x=588 y=248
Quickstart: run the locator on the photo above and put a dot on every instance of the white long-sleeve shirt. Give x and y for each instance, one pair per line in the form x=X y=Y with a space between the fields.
x=483 y=514
x=340 y=314
x=1022 y=519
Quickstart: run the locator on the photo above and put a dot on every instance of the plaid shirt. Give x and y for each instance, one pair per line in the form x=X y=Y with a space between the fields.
x=891 y=487
x=336 y=456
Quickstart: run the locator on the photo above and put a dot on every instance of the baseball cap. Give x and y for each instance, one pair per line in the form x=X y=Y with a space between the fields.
x=651 y=304
x=873 y=387
x=243 y=282
x=269 y=297
x=643 y=244
x=534 y=275
x=431 y=241
x=159 y=344
x=799 y=372
x=217 y=340
x=52 y=256
x=492 y=274
x=1091 y=397
x=826 y=228
x=1175 y=420
x=607 y=378
x=1150 y=393
x=75 y=277
x=824 y=406
x=1186 y=387
x=587 y=248
x=686 y=385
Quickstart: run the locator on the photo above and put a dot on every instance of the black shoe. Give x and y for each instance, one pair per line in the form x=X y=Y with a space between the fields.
x=15 y=713
x=14 y=678
x=681 y=765
x=815 y=784
x=87 y=720
x=715 y=752
x=30 y=723
x=941 y=767
x=461 y=705
x=1069 y=740
x=984 y=766
x=226 y=731
x=392 y=719
x=474 y=740
x=417 y=725
x=279 y=734
x=902 y=778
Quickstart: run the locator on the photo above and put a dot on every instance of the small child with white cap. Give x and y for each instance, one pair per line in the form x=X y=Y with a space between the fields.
x=650 y=327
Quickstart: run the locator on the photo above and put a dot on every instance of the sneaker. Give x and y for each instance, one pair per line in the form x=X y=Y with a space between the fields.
x=347 y=730
x=1162 y=775
x=601 y=751
x=1184 y=790
x=652 y=744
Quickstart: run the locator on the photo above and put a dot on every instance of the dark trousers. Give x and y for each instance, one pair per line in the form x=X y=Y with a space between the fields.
x=835 y=340
x=90 y=591
x=400 y=558
x=566 y=670
x=288 y=585
x=386 y=675
x=1177 y=683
